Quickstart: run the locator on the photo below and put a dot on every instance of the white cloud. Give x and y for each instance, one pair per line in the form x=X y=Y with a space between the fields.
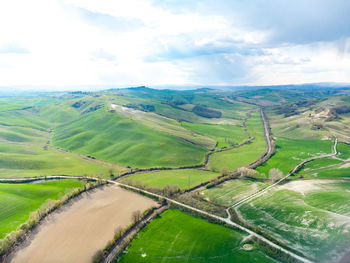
x=50 y=42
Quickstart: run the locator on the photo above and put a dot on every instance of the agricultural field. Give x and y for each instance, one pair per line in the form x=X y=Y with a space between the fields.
x=311 y=216
x=233 y=191
x=339 y=170
x=178 y=237
x=110 y=137
x=17 y=201
x=70 y=236
x=225 y=135
x=245 y=154
x=290 y=152
x=184 y=179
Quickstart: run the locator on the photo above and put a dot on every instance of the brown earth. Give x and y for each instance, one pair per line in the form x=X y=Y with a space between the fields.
x=76 y=232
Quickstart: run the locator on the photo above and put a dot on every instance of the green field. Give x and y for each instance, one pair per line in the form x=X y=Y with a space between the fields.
x=181 y=178
x=246 y=154
x=17 y=201
x=23 y=160
x=178 y=237
x=290 y=152
x=25 y=149
x=339 y=171
x=233 y=191
x=224 y=135
x=310 y=216
x=318 y=165
x=112 y=138
x=343 y=151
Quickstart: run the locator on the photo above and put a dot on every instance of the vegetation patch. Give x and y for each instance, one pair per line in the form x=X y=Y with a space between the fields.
x=203 y=111
x=184 y=178
x=177 y=237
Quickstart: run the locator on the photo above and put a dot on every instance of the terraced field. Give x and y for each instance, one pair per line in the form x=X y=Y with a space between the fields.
x=312 y=216
x=17 y=201
x=179 y=237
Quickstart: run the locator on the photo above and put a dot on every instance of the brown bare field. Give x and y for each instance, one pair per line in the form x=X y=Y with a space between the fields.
x=76 y=232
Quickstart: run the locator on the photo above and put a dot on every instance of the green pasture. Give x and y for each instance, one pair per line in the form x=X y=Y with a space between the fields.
x=108 y=136
x=224 y=135
x=178 y=237
x=290 y=152
x=17 y=201
x=181 y=178
x=26 y=160
x=246 y=154
x=343 y=151
x=339 y=171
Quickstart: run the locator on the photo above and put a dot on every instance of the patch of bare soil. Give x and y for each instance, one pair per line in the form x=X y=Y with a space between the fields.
x=78 y=231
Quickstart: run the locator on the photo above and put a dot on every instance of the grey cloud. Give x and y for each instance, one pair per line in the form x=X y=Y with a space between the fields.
x=297 y=21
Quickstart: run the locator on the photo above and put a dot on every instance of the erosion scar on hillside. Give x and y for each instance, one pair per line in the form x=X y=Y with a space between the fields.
x=77 y=232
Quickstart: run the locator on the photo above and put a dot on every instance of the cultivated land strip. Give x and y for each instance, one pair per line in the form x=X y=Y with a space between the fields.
x=295 y=169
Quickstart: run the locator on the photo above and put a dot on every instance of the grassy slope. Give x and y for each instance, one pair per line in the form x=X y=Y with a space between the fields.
x=245 y=154
x=219 y=132
x=23 y=160
x=17 y=201
x=303 y=220
x=178 y=237
x=232 y=191
x=173 y=177
x=25 y=133
x=166 y=125
x=110 y=137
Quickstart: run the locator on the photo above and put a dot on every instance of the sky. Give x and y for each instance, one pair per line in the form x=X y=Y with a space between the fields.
x=168 y=42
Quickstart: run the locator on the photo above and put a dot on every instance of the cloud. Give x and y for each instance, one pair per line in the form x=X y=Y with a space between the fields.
x=89 y=42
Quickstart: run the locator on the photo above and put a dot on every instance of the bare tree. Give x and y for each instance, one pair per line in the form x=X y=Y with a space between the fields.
x=136 y=216
x=275 y=174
